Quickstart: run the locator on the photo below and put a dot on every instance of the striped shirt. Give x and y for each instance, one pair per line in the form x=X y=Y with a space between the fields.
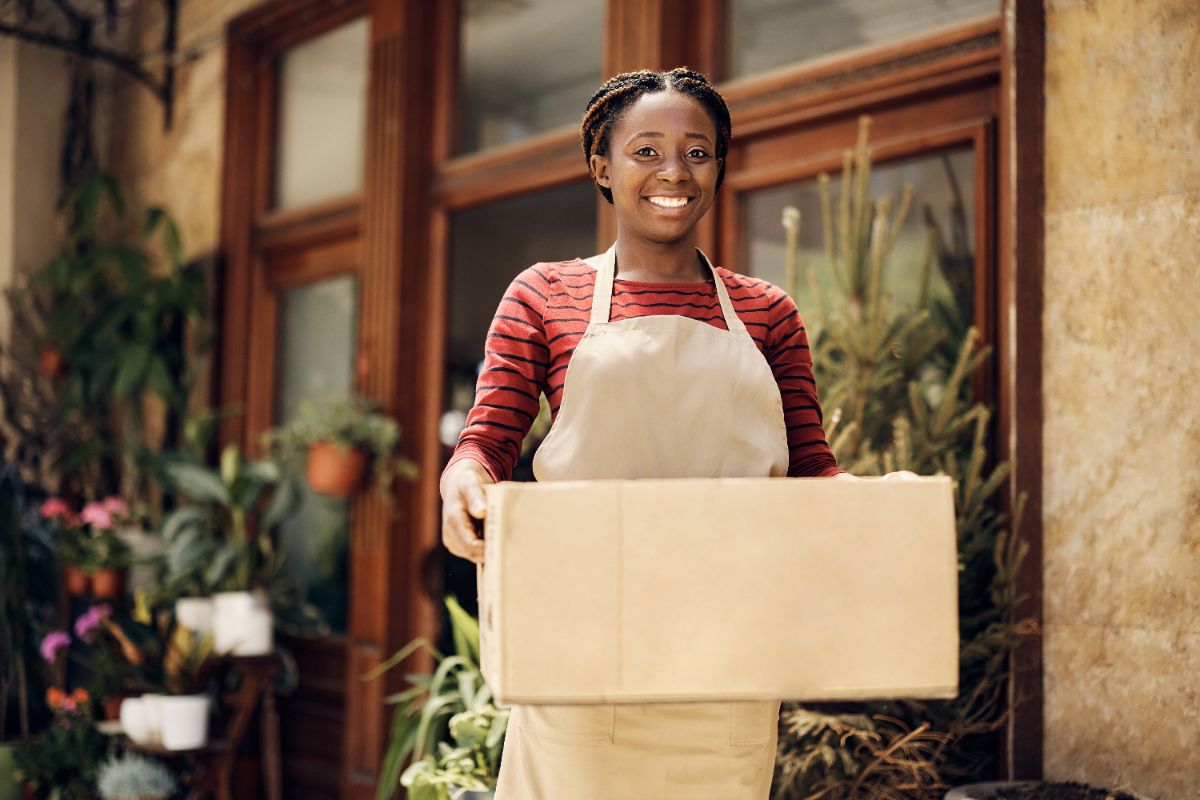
x=544 y=314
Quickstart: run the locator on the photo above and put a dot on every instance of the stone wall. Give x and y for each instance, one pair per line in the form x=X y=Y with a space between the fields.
x=1122 y=378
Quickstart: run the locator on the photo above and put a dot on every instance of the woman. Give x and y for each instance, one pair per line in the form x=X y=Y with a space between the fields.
x=676 y=369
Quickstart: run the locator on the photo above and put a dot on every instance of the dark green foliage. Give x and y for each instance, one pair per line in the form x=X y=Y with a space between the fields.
x=64 y=761
x=896 y=384
x=124 y=311
x=445 y=722
x=27 y=597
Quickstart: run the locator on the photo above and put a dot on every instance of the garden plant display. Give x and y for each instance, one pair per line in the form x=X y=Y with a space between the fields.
x=896 y=385
x=87 y=542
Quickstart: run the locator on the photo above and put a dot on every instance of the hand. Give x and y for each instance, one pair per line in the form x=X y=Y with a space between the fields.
x=462 y=499
x=901 y=475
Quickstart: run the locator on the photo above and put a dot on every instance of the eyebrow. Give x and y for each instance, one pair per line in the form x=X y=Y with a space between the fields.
x=657 y=135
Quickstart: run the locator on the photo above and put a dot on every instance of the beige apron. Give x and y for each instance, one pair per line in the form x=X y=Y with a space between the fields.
x=654 y=397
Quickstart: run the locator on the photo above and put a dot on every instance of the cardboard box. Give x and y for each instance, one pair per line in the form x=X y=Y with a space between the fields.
x=678 y=590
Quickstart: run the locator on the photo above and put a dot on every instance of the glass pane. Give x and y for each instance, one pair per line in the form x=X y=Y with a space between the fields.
x=491 y=245
x=322 y=117
x=943 y=192
x=765 y=34
x=526 y=66
x=317 y=326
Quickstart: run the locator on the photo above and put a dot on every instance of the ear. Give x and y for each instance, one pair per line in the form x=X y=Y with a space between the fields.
x=598 y=165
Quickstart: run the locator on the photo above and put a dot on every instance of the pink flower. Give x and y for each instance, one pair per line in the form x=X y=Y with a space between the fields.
x=115 y=506
x=55 y=507
x=97 y=516
x=54 y=642
x=90 y=621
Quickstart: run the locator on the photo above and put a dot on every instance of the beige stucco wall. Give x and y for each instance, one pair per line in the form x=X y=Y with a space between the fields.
x=180 y=168
x=1122 y=395
x=33 y=99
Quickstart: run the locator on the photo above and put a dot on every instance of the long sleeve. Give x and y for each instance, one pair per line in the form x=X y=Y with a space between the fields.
x=515 y=360
x=788 y=354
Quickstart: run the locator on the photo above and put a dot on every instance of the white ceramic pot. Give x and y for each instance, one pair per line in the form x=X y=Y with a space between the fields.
x=242 y=623
x=153 y=715
x=135 y=720
x=195 y=614
x=184 y=721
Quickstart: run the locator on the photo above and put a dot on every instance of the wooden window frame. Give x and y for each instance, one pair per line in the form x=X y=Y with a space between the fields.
x=415 y=183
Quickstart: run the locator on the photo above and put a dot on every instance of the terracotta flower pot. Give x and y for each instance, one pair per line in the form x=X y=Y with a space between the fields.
x=76 y=580
x=112 y=706
x=333 y=471
x=51 y=362
x=108 y=583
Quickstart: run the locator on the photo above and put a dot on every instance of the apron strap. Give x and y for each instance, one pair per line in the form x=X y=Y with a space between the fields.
x=605 y=266
x=732 y=321
x=606 y=271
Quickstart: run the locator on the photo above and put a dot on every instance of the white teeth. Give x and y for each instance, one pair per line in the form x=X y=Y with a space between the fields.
x=668 y=202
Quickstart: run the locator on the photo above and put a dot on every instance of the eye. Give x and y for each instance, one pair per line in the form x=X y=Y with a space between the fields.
x=697 y=153
x=645 y=151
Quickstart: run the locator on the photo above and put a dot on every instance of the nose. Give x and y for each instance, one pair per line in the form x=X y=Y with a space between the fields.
x=674 y=170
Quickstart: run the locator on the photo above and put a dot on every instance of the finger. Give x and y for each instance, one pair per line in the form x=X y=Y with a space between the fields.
x=476 y=501
x=461 y=538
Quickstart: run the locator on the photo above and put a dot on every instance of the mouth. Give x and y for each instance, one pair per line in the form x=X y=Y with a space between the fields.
x=669 y=202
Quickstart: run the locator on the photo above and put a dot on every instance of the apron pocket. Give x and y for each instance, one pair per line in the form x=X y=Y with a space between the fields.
x=753 y=724
x=581 y=724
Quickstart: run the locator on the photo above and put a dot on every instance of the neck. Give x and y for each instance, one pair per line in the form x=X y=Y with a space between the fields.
x=674 y=262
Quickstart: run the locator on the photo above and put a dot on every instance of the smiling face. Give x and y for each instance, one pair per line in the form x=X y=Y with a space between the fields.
x=661 y=166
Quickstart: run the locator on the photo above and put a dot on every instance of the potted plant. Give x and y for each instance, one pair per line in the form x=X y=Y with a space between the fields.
x=466 y=769
x=1034 y=790
x=446 y=722
x=337 y=440
x=115 y=313
x=95 y=558
x=183 y=713
x=110 y=665
x=64 y=760
x=222 y=543
x=134 y=777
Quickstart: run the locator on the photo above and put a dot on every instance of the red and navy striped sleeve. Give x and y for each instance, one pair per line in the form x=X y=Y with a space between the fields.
x=516 y=355
x=787 y=352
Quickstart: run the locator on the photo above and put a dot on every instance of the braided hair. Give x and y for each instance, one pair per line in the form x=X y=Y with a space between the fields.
x=621 y=91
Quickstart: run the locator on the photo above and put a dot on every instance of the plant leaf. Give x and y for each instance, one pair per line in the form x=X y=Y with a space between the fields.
x=198 y=483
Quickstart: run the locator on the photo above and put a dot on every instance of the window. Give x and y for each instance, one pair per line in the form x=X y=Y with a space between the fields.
x=527 y=66
x=766 y=34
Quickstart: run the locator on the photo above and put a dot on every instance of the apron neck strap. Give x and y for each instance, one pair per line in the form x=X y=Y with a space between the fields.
x=606 y=273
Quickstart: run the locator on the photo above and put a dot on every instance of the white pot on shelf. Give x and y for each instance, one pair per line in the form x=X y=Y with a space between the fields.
x=195 y=614
x=135 y=720
x=184 y=721
x=242 y=624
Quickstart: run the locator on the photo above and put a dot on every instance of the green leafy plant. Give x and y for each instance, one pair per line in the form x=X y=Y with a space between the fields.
x=349 y=423
x=188 y=659
x=214 y=542
x=121 y=322
x=64 y=760
x=446 y=722
x=896 y=385
x=223 y=538
x=134 y=777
